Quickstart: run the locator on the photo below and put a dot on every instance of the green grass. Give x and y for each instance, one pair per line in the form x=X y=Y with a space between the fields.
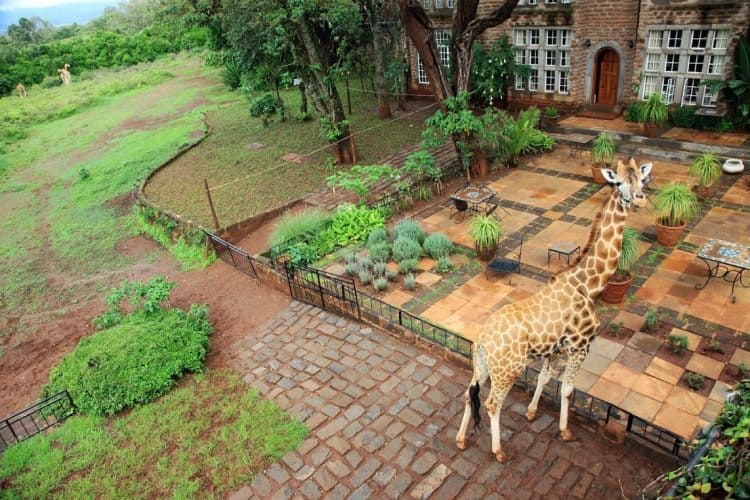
x=265 y=181
x=203 y=439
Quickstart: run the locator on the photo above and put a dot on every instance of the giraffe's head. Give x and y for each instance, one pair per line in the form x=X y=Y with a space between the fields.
x=628 y=180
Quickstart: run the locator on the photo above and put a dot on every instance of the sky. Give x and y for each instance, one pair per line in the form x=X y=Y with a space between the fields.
x=58 y=12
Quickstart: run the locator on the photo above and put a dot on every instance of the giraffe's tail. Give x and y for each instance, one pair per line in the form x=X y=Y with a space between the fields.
x=475 y=404
x=481 y=373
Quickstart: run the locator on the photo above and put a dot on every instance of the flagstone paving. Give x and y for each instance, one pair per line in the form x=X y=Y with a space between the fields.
x=383 y=416
x=551 y=199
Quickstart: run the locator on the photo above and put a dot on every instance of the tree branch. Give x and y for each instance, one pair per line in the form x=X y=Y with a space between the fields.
x=481 y=24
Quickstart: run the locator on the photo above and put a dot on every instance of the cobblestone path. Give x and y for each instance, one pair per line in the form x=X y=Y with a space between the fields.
x=384 y=414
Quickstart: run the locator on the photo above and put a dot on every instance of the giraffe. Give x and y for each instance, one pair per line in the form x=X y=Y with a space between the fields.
x=558 y=319
x=65 y=74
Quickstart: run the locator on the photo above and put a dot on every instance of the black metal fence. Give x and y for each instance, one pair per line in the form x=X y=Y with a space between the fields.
x=322 y=289
x=233 y=255
x=36 y=418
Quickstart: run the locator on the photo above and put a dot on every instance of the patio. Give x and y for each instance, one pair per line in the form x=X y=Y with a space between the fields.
x=551 y=199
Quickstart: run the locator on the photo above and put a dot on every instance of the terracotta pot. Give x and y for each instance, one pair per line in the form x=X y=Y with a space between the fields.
x=668 y=236
x=549 y=121
x=614 y=292
x=703 y=192
x=651 y=130
x=486 y=254
x=596 y=173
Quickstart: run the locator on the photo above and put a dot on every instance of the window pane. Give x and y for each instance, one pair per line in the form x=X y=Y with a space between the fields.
x=534 y=37
x=654 y=39
x=551 y=37
x=649 y=86
x=564 y=86
x=564 y=58
x=699 y=39
x=695 y=63
x=667 y=90
x=716 y=66
x=421 y=73
x=721 y=39
x=520 y=37
x=534 y=81
x=533 y=57
x=520 y=82
x=672 y=63
x=653 y=62
x=675 y=39
x=690 y=92
x=551 y=58
x=549 y=81
x=564 y=38
x=709 y=98
x=520 y=56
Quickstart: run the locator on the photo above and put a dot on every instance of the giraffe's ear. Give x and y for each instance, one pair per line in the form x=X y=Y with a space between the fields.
x=646 y=169
x=611 y=176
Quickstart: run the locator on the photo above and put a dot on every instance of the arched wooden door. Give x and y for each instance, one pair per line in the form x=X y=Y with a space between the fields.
x=607 y=75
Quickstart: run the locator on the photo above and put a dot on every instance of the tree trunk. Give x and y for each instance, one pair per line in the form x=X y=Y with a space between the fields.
x=302 y=99
x=384 y=106
x=479 y=165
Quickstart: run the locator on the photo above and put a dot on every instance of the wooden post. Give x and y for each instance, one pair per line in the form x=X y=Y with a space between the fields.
x=211 y=204
x=348 y=97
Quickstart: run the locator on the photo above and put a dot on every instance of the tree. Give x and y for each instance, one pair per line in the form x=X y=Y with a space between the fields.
x=467 y=27
x=372 y=11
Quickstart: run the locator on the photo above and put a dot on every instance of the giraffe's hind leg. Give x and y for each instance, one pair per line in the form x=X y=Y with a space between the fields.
x=495 y=400
x=575 y=359
x=471 y=396
x=544 y=375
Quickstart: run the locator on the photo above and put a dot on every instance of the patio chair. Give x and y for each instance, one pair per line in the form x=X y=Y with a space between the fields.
x=504 y=265
x=493 y=204
x=462 y=207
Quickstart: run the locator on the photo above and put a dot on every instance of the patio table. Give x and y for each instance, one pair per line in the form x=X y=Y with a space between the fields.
x=726 y=260
x=471 y=197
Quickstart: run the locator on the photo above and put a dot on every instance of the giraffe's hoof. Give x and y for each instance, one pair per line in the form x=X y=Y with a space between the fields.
x=531 y=415
x=461 y=445
x=501 y=456
x=567 y=436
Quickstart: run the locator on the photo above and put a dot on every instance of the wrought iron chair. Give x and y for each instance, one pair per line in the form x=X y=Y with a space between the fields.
x=504 y=265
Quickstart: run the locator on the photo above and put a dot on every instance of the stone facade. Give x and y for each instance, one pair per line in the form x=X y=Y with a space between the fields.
x=621 y=26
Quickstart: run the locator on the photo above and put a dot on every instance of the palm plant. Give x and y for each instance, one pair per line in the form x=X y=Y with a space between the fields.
x=654 y=111
x=706 y=169
x=628 y=254
x=486 y=231
x=676 y=204
x=603 y=149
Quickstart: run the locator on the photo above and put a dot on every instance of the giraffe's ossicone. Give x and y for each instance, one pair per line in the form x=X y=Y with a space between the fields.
x=560 y=319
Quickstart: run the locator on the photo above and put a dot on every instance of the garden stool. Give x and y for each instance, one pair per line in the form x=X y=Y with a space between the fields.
x=561 y=248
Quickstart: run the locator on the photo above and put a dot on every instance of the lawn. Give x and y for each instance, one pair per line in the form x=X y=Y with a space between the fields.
x=203 y=439
x=245 y=156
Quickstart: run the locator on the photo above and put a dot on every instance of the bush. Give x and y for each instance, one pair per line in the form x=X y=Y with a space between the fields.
x=293 y=225
x=406 y=249
x=379 y=269
x=391 y=274
x=538 y=142
x=352 y=224
x=365 y=277
x=678 y=343
x=351 y=269
x=650 y=320
x=683 y=116
x=438 y=245
x=634 y=111
x=301 y=254
x=715 y=346
x=380 y=252
x=407 y=266
x=444 y=265
x=377 y=236
x=350 y=257
x=364 y=262
x=266 y=106
x=410 y=282
x=695 y=381
x=409 y=228
x=380 y=284
x=139 y=358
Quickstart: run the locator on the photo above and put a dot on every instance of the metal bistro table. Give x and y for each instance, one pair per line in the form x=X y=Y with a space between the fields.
x=470 y=198
x=725 y=260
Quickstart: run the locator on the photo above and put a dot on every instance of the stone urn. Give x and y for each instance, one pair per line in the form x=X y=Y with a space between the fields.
x=733 y=166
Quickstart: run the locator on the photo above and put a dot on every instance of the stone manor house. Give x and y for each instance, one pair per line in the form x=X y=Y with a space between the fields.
x=603 y=54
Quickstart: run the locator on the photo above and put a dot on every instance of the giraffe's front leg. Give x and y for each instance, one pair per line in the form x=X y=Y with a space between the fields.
x=571 y=370
x=544 y=375
x=461 y=435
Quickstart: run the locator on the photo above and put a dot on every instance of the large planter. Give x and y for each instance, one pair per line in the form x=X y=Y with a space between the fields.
x=651 y=130
x=668 y=236
x=596 y=173
x=614 y=292
x=486 y=254
x=549 y=121
x=703 y=192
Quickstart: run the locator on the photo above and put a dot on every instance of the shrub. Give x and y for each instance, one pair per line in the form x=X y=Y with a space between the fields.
x=423 y=166
x=743 y=370
x=365 y=277
x=551 y=112
x=231 y=75
x=409 y=228
x=650 y=320
x=538 y=142
x=137 y=359
x=266 y=106
x=406 y=249
x=683 y=116
x=706 y=168
x=676 y=203
x=293 y=225
x=380 y=284
x=84 y=174
x=380 y=252
x=352 y=269
x=391 y=274
x=301 y=254
x=615 y=328
x=695 y=381
x=654 y=110
x=678 y=343
x=377 y=236
x=350 y=257
x=352 y=224
x=364 y=262
x=438 y=245
x=424 y=193
x=379 y=269
x=486 y=231
x=361 y=178
x=444 y=265
x=715 y=346
x=634 y=111
x=603 y=149
x=407 y=266
x=410 y=282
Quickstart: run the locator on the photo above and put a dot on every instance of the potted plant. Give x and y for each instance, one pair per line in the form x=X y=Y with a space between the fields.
x=486 y=231
x=675 y=205
x=707 y=170
x=551 y=115
x=603 y=149
x=617 y=287
x=654 y=114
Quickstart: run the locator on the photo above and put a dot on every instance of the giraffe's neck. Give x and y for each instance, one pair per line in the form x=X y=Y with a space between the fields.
x=599 y=263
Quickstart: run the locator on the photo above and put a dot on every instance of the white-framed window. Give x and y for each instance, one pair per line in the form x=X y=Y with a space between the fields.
x=534 y=36
x=521 y=56
x=648 y=86
x=534 y=80
x=668 y=85
x=674 y=39
x=672 y=63
x=532 y=2
x=451 y=4
x=716 y=65
x=551 y=37
x=442 y=39
x=564 y=83
x=547 y=52
x=520 y=82
x=690 y=92
x=699 y=39
x=709 y=98
x=549 y=80
x=721 y=40
x=550 y=58
x=695 y=63
x=655 y=39
x=653 y=62
x=564 y=58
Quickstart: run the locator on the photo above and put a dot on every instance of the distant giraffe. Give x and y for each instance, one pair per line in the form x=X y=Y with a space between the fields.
x=559 y=318
x=65 y=74
x=21 y=90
